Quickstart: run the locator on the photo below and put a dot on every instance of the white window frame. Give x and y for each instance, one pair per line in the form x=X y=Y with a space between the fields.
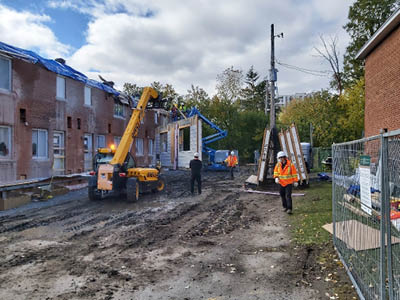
x=155 y=117
x=47 y=144
x=117 y=141
x=87 y=91
x=139 y=147
x=119 y=115
x=8 y=156
x=64 y=97
x=151 y=147
x=97 y=141
x=9 y=75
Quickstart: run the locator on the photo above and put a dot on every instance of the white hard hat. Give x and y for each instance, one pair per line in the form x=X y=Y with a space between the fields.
x=196 y=154
x=232 y=153
x=281 y=154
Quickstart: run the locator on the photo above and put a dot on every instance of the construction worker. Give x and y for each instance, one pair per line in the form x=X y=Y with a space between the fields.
x=195 y=167
x=285 y=175
x=231 y=162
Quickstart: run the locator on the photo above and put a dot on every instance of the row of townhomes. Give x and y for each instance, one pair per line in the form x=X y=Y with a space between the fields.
x=53 y=118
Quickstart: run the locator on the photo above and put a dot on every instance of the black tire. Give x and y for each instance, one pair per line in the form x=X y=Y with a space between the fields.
x=132 y=190
x=160 y=184
x=93 y=193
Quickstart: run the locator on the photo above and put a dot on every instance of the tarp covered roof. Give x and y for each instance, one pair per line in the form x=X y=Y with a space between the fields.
x=54 y=66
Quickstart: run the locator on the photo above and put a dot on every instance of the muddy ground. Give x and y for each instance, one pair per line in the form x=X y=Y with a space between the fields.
x=222 y=244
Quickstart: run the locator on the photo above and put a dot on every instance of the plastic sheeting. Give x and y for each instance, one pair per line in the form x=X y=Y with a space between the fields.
x=54 y=66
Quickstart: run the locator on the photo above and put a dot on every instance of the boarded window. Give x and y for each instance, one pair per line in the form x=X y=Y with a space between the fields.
x=5 y=141
x=60 y=87
x=88 y=96
x=5 y=74
x=39 y=143
x=164 y=142
x=139 y=146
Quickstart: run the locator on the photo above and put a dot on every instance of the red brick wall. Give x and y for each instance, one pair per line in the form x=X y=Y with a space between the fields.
x=382 y=86
x=34 y=89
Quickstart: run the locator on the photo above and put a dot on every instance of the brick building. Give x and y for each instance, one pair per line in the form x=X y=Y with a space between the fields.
x=382 y=77
x=52 y=118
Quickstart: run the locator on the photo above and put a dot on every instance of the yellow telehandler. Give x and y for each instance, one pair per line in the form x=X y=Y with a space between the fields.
x=114 y=170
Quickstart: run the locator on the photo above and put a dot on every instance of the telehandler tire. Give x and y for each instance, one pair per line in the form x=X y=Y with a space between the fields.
x=132 y=190
x=160 y=183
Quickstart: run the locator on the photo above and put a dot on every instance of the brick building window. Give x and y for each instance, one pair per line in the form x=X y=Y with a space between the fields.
x=5 y=74
x=139 y=147
x=118 y=110
x=5 y=142
x=40 y=145
x=151 y=147
x=60 y=88
x=100 y=141
x=78 y=123
x=88 y=96
x=117 y=140
x=155 y=118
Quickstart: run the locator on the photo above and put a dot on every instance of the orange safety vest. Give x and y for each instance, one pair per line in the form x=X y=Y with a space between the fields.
x=231 y=161
x=286 y=176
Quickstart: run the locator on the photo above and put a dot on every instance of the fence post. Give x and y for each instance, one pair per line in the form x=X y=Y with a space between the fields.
x=333 y=196
x=386 y=199
x=383 y=158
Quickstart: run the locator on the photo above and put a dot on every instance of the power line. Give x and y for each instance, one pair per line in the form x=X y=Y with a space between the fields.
x=307 y=71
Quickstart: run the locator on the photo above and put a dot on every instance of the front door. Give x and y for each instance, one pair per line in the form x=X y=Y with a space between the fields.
x=88 y=149
x=58 y=153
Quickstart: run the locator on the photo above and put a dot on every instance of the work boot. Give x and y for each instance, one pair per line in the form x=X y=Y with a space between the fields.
x=289 y=211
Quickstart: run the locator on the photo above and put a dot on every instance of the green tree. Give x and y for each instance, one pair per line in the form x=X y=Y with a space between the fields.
x=253 y=94
x=132 y=89
x=364 y=19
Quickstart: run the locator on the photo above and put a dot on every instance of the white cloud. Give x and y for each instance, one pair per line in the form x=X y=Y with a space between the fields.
x=27 y=30
x=190 y=42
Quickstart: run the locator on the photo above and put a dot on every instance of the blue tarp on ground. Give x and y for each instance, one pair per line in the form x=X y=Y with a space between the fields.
x=54 y=66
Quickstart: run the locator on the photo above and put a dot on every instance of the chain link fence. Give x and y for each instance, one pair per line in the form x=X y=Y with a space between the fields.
x=320 y=155
x=366 y=213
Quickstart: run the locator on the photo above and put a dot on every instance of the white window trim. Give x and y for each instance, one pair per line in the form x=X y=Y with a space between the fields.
x=84 y=96
x=65 y=89
x=123 y=113
x=7 y=157
x=136 y=147
x=8 y=91
x=47 y=145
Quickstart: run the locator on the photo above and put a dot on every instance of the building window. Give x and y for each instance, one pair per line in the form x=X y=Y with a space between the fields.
x=39 y=143
x=109 y=128
x=163 y=142
x=117 y=140
x=60 y=87
x=69 y=122
x=78 y=123
x=5 y=74
x=100 y=141
x=118 y=110
x=88 y=96
x=139 y=147
x=5 y=142
x=151 y=147
x=22 y=115
x=155 y=118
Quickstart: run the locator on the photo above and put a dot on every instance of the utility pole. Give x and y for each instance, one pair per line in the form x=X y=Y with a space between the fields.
x=272 y=80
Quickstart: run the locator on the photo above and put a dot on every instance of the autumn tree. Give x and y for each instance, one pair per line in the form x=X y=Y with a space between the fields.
x=229 y=84
x=364 y=19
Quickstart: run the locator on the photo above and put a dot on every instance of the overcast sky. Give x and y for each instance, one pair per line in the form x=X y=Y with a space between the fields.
x=181 y=42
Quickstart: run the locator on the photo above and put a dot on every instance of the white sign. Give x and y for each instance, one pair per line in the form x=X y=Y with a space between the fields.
x=365 y=189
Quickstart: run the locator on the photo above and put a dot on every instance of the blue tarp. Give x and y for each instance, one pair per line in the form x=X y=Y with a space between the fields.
x=54 y=66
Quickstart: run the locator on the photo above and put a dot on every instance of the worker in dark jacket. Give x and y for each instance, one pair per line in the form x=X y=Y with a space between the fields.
x=195 y=166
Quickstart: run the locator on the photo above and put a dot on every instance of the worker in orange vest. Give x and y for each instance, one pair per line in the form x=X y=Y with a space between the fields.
x=231 y=162
x=285 y=175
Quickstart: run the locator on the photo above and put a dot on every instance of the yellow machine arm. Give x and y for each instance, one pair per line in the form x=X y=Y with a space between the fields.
x=133 y=126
